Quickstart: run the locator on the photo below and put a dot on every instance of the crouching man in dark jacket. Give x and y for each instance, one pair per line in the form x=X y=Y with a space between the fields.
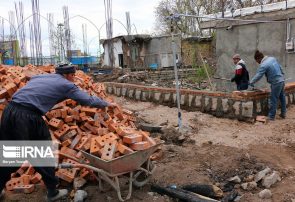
x=22 y=117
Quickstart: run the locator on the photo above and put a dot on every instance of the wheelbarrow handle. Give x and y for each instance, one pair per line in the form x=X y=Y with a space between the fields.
x=66 y=165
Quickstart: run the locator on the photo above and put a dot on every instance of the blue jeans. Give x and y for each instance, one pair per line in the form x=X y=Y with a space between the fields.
x=277 y=92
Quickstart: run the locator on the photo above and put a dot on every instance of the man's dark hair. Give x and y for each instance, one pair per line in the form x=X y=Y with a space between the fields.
x=258 y=55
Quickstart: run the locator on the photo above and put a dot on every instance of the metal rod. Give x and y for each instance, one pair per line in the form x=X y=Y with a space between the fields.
x=176 y=84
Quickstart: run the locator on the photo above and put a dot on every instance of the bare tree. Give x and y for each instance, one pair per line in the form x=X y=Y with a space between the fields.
x=190 y=26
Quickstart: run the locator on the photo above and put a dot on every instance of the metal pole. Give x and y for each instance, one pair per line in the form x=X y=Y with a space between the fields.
x=176 y=84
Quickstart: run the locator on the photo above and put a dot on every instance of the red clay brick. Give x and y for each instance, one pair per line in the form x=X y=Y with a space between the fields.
x=122 y=131
x=26 y=179
x=140 y=146
x=75 y=141
x=26 y=189
x=109 y=150
x=68 y=151
x=66 y=143
x=146 y=137
x=30 y=171
x=56 y=123
x=63 y=130
x=69 y=135
x=95 y=148
x=65 y=175
x=124 y=149
x=13 y=182
x=36 y=178
x=3 y=93
x=133 y=138
x=89 y=111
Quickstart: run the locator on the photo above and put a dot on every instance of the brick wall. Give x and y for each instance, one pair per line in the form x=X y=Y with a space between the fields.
x=236 y=105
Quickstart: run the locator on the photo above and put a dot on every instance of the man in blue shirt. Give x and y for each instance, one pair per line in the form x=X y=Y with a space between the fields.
x=22 y=117
x=270 y=67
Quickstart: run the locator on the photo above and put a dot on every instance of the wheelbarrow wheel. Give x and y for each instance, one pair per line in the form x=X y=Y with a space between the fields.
x=143 y=177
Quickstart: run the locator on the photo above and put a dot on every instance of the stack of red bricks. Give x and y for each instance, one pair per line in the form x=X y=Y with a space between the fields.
x=106 y=133
x=24 y=179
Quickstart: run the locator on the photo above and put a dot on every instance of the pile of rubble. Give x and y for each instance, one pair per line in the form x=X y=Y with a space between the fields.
x=265 y=178
x=106 y=133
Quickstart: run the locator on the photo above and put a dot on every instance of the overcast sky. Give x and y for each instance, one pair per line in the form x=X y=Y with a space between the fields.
x=141 y=15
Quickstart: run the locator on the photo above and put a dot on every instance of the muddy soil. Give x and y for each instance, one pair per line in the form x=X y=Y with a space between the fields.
x=210 y=150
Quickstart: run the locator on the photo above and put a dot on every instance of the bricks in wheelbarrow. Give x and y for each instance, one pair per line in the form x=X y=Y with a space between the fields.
x=56 y=123
x=133 y=138
x=146 y=137
x=95 y=148
x=109 y=150
x=63 y=130
x=124 y=149
x=140 y=146
x=67 y=174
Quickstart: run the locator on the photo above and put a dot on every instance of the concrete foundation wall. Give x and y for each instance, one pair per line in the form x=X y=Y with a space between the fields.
x=164 y=75
x=269 y=38
x=236 y=105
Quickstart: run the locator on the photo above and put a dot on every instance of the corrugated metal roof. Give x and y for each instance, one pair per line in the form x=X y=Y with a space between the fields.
x=253 y=10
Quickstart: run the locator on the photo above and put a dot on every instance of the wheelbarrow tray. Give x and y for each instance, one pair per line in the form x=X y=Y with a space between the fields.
x=123 y=164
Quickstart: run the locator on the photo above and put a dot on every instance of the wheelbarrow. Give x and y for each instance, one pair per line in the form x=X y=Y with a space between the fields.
x=137 y=166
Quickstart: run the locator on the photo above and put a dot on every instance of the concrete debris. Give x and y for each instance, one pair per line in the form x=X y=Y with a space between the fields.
x=79 y=182
x=235 y=179
x=271 y=179
x=265 y=194
x=262 y=174
x=80 y=196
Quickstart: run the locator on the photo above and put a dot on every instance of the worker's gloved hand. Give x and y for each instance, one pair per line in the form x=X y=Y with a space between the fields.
x=233 y=79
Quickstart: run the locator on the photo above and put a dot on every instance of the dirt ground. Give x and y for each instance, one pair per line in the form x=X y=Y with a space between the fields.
x=210 y=150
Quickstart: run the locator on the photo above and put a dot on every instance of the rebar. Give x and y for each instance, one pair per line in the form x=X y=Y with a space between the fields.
x=67 y=29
